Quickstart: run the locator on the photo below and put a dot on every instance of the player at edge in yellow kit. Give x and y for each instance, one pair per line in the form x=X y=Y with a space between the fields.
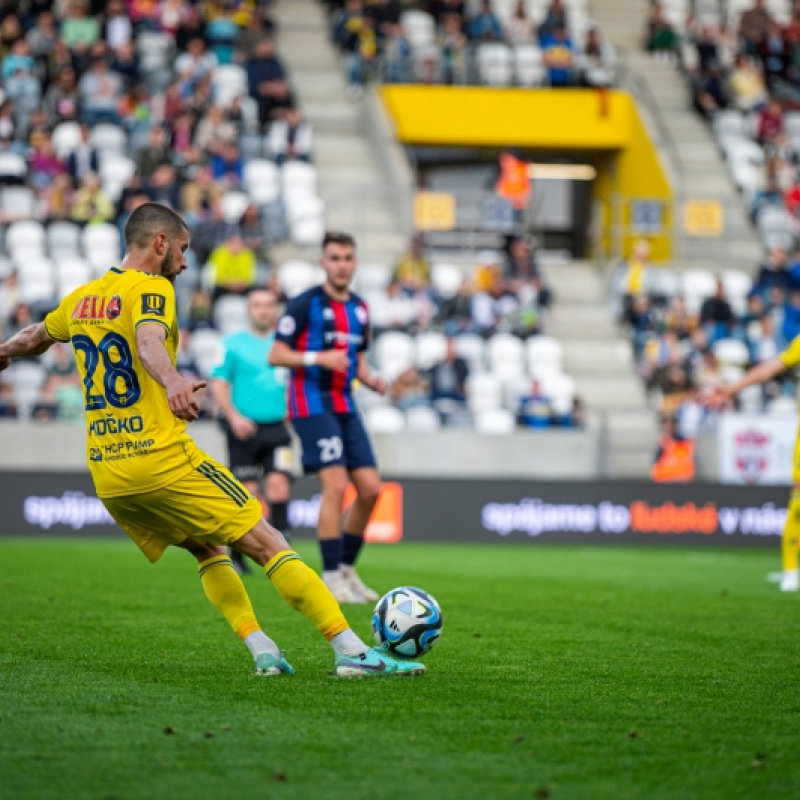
x=160 y=488
x=765 y=371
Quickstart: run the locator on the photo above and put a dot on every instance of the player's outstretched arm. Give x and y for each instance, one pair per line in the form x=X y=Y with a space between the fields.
x=761 y=373
x=30 y=341
x=155 y=358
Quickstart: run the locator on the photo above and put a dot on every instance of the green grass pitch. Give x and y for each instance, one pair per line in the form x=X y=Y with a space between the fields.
x=562 y=672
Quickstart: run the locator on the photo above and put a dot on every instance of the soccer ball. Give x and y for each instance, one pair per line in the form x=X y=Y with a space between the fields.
x=408 y=620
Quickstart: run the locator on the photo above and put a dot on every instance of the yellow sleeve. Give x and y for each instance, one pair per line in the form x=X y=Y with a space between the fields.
x=791 y=355
x=153 y=300
x=56 y=323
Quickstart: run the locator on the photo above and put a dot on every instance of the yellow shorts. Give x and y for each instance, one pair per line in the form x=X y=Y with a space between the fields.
x=207 y=505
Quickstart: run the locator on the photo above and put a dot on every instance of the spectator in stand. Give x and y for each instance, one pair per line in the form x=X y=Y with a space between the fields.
x=222 y=32
x=250 y=35
x=62 y=99
x=91 y=203
x=162 y=186
x=290 y=138
x=234 y=266
x=212 y=129
x=84 y=158
x=125 y=63
x=706 y=47
x=642 y=322
x=63 y=388
x=455 y=313
x=117 y=26
x=534 y=409
x=522 y=271
x=155 y=154
x=773 y=274
x=441 y=8
x=413 y=270
x=385 y=15
x=485 y=26
x=43 y=36
x=747 y=84
x=447 y=379
x=10 y=298
x=709 y=91
x=494 y=306
x=555 y=17
x=43 y=163
x=253 y=231
x=409 y=390
x=56 y=205
x=661 y=37
x=100 y=93
x=716 y=315
x=21 y=84
x=520 y=28
x=753 y=26
x=79 y=30
x=774 y=55
x=597 y=60
x=210 y=228
x=227 y=164
x=267 y=82
x=11 y=31
x=397 y=55
x=453 y=47
x=559 y=57
x=200 y=310
x=196 y=62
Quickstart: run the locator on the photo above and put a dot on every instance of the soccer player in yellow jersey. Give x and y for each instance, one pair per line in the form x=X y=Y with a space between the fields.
x=159 y=487
x=765 y=371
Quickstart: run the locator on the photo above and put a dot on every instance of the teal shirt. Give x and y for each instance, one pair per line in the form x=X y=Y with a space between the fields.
x=258 y=391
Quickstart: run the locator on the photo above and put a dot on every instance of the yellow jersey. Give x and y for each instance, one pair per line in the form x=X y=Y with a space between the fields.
x=790 y=356
x=134 y=442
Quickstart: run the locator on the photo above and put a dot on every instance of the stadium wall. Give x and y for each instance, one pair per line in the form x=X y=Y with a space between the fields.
x=602 y=126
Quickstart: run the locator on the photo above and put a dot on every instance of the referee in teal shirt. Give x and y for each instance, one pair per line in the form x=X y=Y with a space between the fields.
x=251 y=395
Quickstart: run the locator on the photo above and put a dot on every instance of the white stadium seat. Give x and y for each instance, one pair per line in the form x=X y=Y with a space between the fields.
x=385 y=419
x=422 y=418
x=431 y=348
x=394 y=353
x=543 y=350
x=230 y=313
x=484 y=390
x=262 y=180
x=25 y=234
x=495 y=422
x=446 y=279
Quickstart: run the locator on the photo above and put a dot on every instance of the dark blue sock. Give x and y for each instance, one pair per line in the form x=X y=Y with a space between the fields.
x=331 y=550
x=351 y=547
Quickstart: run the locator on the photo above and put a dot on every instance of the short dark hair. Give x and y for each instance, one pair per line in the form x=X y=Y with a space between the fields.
x=147 y=221
x=337 y=237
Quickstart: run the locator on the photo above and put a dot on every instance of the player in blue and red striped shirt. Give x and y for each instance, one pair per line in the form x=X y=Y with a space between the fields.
x=323 y=337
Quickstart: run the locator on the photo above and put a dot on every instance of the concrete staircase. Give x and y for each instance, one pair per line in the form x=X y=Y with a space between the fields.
x=600 y=360
x=351 y=180
x=685 y=142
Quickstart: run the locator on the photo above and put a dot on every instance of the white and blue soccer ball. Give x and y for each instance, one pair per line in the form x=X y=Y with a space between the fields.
x=409 y=620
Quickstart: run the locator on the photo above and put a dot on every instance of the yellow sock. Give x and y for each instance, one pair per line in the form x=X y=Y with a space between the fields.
x=790 y=546
x=225 y=590
x=304 y=591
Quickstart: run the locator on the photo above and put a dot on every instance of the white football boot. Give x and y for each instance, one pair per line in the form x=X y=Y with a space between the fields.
x=357 y=586
x=790 y=580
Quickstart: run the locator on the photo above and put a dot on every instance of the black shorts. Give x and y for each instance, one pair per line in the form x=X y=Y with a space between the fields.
x=268 y=450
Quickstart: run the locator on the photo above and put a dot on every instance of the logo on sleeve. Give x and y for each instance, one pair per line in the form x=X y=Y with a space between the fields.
x=286 y=326
x=154 y=304
x=361 y=314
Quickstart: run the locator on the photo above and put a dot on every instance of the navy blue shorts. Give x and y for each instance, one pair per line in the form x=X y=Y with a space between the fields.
x=333 y=440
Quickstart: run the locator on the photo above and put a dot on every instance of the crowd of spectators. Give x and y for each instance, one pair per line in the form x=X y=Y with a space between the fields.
x=141 y=85
x=453 y=42
x=692 y=336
